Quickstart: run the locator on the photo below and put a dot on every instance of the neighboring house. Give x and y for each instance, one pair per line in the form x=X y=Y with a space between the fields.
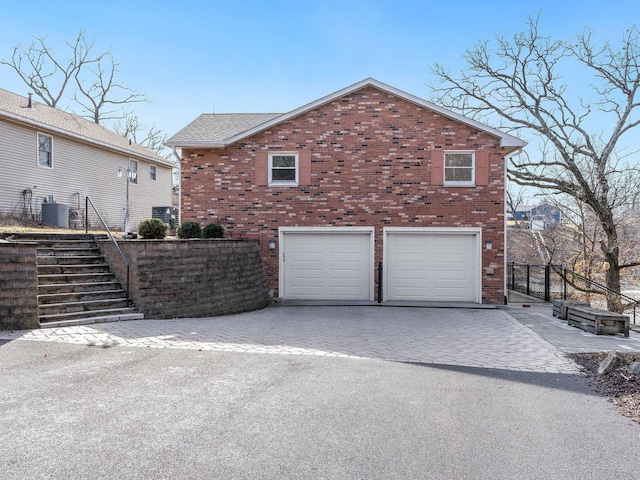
x=365 y=177
x=538 y=217
x=50 y=155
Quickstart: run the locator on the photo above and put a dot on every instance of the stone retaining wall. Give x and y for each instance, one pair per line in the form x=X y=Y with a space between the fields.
x=18 y=286
x=191 y=278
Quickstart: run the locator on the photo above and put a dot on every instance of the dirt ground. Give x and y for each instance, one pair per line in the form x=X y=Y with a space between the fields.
x=621 y=386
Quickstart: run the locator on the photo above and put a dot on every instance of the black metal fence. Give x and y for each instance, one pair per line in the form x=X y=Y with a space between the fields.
x=547 y=282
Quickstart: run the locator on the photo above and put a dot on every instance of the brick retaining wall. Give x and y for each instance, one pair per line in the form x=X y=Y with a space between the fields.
x=18 y=286
x=191 y=278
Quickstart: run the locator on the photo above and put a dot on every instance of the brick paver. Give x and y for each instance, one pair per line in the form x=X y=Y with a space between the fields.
x=448 y=336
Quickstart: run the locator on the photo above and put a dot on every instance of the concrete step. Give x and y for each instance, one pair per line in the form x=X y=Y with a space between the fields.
x=74 y=278
x=55 y=243
x=71 y=260
x=86 y=318
x=74 y=297
x=82 y=306
x=71 y=287
x=65 y=251
x=73 y=269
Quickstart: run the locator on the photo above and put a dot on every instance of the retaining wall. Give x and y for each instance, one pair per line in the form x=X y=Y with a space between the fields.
x=18 y=286
x=191 y=278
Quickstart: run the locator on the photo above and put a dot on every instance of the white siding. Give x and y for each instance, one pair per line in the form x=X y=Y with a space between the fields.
x=78 y=170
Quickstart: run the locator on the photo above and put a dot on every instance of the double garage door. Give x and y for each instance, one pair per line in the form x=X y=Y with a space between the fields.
x=419 y=264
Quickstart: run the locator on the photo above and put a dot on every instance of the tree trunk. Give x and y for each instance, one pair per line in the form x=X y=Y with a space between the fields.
x=614 y=302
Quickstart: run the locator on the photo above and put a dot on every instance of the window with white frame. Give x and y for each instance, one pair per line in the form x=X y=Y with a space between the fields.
x=45 y=150
x=153 y=173
x=459 y=168
x=283 y=168
x=133 y=171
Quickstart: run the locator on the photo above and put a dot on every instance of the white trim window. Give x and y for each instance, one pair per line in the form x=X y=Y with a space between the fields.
x=283 y=168
x=153 y=173
x=459 y=168
x=45 y=150
x=133 y=171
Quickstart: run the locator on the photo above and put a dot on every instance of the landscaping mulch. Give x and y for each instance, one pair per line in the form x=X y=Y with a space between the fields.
x=621 y=386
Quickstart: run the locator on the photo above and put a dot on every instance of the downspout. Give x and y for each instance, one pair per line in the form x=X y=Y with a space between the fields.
x=175 y=153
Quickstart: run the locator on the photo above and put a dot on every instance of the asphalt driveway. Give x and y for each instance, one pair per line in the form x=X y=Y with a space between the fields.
x=305 y=392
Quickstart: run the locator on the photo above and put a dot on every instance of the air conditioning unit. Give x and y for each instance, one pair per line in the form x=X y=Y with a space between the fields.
x=55 y=214
x=168 y=215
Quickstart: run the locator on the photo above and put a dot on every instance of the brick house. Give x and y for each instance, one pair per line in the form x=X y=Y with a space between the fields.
x=366 y=177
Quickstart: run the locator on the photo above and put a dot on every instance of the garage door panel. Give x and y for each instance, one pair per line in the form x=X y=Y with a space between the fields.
x=406 y=275
x=339 y=263
x=431 y=266
x=307 y=274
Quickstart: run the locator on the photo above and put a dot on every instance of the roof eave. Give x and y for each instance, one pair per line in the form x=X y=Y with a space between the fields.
x=189 y=144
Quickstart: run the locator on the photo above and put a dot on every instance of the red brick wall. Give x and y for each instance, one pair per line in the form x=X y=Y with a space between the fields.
x=370 y=166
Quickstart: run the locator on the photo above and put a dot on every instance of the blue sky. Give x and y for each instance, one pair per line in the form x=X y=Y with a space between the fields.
x=192 y=57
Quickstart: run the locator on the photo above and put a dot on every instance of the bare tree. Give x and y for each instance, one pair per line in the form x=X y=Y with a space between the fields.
x=98 y=90
x=152 y=138
x=45 y=73
x=91 y=76
x=521 y=83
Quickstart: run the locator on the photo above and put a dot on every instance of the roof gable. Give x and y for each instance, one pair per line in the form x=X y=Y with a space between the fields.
x=200 y=132
x=15 y=108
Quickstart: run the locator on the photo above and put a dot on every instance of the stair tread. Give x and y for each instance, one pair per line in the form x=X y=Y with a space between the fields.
x=94 y=292
x=79 y=284
x=97 y=255
x=72 y=275
x=83 y=302
x=91 y=313
x=117 y=317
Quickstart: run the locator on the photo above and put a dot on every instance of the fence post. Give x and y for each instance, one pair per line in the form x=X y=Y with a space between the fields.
x=547 y=282
x=513 y=275
x=528 y=277
x=564 y=283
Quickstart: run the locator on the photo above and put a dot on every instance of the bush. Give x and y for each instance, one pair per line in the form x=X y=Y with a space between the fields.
x=189 y=230
x=213 y=230
x=153 y=228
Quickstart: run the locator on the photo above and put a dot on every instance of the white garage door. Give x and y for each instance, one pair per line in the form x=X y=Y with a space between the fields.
x=432 y=266
x=326 y=265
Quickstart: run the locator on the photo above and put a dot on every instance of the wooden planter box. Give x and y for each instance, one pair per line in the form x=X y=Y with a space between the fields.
x=600 y=322
x=561 y=307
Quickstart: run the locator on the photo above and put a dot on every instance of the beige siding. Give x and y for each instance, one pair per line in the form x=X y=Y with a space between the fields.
x=78 y=170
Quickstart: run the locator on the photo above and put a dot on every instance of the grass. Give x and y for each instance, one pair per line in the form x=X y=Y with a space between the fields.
x=10 y=225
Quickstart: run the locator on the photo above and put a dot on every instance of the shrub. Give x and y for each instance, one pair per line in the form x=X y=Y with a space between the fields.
x=153 y=228
x=213 y=230
x=189 y=230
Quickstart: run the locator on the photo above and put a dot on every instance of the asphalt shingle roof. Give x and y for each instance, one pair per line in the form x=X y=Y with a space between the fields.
x=15 y=108
x=217 y=127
